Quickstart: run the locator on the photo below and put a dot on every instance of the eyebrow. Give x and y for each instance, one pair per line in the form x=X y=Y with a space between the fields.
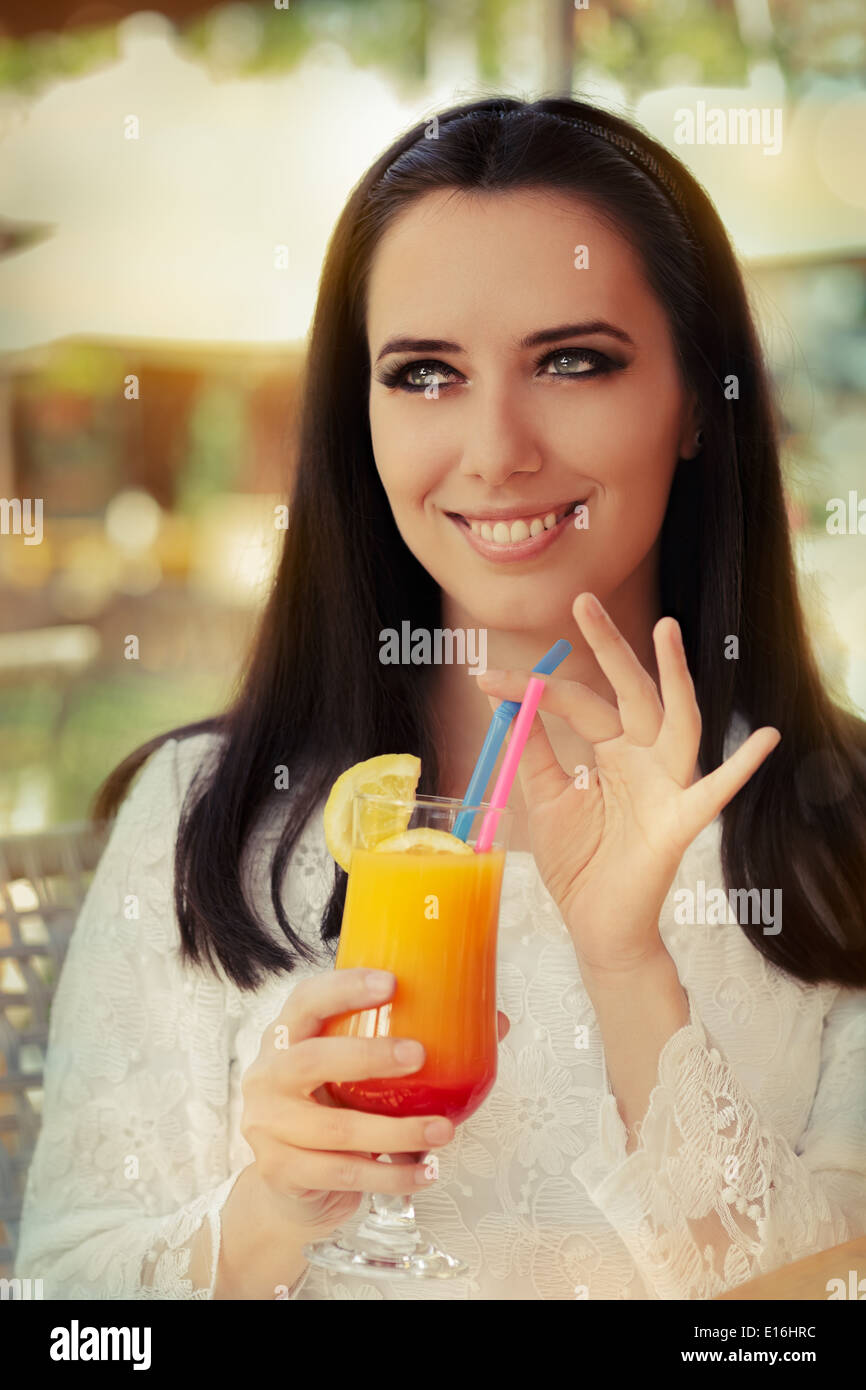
x=544 y=335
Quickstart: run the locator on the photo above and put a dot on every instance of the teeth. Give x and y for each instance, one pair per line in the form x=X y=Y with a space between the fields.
x=509 y=533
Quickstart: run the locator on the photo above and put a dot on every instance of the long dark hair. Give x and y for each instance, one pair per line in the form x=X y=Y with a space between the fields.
x=315 y=696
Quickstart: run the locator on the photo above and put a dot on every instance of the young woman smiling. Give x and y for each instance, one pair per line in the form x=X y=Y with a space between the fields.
x=524 y=307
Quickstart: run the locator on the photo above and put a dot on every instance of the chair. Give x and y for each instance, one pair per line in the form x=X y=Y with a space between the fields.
x=43 y=881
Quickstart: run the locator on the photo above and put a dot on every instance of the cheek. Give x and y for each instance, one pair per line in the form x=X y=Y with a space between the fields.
x=636 y=442
x=607 y=425
x=630 y=444
x=408 y=459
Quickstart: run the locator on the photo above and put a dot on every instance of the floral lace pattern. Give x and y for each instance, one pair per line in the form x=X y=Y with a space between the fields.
x=752 y=1153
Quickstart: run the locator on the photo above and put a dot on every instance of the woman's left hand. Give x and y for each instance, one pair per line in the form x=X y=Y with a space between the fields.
x=608 y=852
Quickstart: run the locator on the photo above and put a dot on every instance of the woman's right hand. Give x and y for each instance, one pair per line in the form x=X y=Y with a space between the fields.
x=315 y=1159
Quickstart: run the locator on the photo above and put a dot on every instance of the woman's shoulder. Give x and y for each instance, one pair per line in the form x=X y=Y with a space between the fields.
x=193 y=752
x=166 y=775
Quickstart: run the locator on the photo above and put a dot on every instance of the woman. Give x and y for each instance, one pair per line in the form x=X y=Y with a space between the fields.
x=529 y=312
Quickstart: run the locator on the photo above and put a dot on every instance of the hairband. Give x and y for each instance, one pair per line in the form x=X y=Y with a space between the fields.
x=647 y=161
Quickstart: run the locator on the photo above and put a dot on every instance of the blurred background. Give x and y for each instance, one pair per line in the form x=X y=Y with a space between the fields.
x=169 y=178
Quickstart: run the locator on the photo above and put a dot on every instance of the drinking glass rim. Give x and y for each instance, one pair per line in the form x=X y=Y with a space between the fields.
x=434 y=801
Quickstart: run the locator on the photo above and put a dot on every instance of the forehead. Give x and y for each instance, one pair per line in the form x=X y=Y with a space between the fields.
x=503 y=259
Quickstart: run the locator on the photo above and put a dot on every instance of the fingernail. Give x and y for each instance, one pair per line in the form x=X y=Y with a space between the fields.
x=378 y=981
x=408 y=1052
x=438 y=1132
x=593 y=607
x=492 y=674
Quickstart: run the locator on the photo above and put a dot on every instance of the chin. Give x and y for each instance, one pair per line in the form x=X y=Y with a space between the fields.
x=514 y=612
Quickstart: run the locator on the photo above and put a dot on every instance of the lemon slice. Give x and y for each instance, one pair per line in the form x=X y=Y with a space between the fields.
x=423 y=840
x=391 y=774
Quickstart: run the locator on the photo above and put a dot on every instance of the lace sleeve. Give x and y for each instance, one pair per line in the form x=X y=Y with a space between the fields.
x=712 y=1196
x=131 y=1168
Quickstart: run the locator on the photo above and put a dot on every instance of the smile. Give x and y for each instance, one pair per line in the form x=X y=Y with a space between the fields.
x=517 y=538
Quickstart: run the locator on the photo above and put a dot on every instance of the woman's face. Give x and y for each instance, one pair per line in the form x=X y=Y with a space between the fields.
x=504 y=435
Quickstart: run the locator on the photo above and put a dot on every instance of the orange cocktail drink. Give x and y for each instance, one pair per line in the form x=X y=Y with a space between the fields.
x=424 y=905
x=430 y=918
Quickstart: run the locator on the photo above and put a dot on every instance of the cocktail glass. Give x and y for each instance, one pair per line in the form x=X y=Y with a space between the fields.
x=430 y=917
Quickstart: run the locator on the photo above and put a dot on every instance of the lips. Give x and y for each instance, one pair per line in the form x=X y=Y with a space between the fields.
x=514 y=551
x=538 y=511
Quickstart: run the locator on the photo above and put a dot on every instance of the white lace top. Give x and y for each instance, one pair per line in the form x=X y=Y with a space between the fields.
x=759 y=1114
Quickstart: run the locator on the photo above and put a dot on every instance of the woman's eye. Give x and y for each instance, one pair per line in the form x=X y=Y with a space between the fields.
x=421 y=375
x=592 y=361
x=428 y=374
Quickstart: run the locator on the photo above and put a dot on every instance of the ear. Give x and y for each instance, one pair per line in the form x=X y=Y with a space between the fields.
x=691 y=423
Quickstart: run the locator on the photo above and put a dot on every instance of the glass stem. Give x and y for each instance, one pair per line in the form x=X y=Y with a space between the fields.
x=390 y=1220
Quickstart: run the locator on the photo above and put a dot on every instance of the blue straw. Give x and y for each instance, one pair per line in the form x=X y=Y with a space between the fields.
x=502 y=717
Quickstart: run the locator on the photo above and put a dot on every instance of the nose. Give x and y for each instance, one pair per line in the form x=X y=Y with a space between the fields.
x=500 y=438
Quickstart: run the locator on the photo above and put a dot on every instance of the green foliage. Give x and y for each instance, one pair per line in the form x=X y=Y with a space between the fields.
x=643 y=44
x=216 y=438
x=88 y=369
x=31 y=63
x=659 y=46
x=108 y=718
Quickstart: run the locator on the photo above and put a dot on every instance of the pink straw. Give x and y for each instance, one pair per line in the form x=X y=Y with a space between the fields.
x=508 y=771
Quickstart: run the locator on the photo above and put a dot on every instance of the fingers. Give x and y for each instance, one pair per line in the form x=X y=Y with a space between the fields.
x=541 y=776
x=679 y=741
x=305 y=1124
x=589 y=714
x=289 y=1169
x=503 y=1024
x=316 y=1060
x=704 y=801
x=538 y=771
x=318 y=997
x=637 y=698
